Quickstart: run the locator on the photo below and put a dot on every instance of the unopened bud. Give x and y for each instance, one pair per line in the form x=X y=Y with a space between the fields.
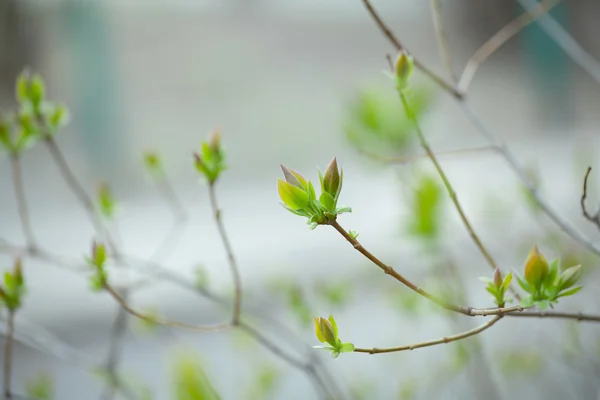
x=497 y=278
x=331 y=179
x=403 y=68
x=536 y=267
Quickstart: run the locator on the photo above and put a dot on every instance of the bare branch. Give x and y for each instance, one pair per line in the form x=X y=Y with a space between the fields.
x=8 y=343
x=469 y=311
x=594 y=219
x=409 y=159
x=556 y=314
x=17 y=179
x=237 y=281
x=440 y=33
x=500 y=38
x=200 y=328
x=436 y=342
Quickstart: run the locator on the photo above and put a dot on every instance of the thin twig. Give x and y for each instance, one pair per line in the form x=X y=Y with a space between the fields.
x=78 y=190
x=470 y=311
x=399 y=47
x=17 y=179
x=201 y=328
x=409 y=159
x=440 y=33
x=594 y=219
x=443 y=340
x=114 y=351
x=490 y=260
x=500 y=38
x=8 y=343
x=557 y=314
x=237 y=281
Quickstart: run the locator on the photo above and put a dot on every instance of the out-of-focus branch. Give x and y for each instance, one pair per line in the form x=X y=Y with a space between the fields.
x=17 y=179
x=8 y=344
x=499 y=39
x=594 y=219
x=237 y=281
x=440 y=33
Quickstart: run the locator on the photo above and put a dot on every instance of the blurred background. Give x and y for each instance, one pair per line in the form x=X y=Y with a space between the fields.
x=298 y=82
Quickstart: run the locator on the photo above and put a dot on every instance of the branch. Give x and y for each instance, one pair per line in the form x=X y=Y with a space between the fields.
x=436 y=13
x=8 y=342
x=594 y=219
x=201 y=328
x=78 y=190
x=237 y=281
x=469 y=311
x=443 y=340
x=447 y=184
x=114 y=352
x=556 y=314
x=398 y=46
x=500 y=38
x=17 y=179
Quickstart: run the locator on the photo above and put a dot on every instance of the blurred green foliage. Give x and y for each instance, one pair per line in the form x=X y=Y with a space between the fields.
x=190 y=382
x=263 y=383
x=425 y=204
x=521 y=362
x=40 y=387
x=375 y=123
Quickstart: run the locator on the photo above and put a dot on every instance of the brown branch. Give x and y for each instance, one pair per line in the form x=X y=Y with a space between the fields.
x=594 y=219
x=17 y=179
x=8 y=343
x=499 y=39
x=176 y=324
x=237 y=281
x=469 y=311
x=399 y=47
x=557 y=314
x=443 y=340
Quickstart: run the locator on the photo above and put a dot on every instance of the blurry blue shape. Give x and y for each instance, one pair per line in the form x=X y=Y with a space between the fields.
x=96 y=106
x=550 y=69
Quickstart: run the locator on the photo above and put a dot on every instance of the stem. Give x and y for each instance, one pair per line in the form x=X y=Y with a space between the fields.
x=443 y=340
x=8 y=342
x=176 y=324
x=237 y=281
x=408 y=159
x=168 y=193
x=114 y=351
x=447 y=184
x=399 y=47
x=437 y=300
x=78 y=190
x=17 y=179
x=500 y=38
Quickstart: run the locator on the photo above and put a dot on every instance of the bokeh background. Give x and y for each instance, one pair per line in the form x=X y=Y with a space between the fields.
x=298 y=82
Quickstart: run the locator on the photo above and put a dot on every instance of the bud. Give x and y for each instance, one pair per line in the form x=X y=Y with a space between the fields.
x=292 y=196
x=22 y=87
x=328 y=332
x=293 y=178
x=18 y=272
x=98 y=254
x=497 y=278
x=106 y=200
x=37 y=90
x=215 y=141
x=403 y=68
x=332 y=183
x=570 y=277
x=536 y=267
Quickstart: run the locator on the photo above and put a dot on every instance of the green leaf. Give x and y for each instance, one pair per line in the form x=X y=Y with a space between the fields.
x=507 y=281
x=524 y=284
x=22 y=87
x=570 y=292
x=527 y=302
x=569 y=277
x=293 y=197
x=191 y=382
x=425 y=208
x=327 y=201
x=37 y=90
x=542 y=304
